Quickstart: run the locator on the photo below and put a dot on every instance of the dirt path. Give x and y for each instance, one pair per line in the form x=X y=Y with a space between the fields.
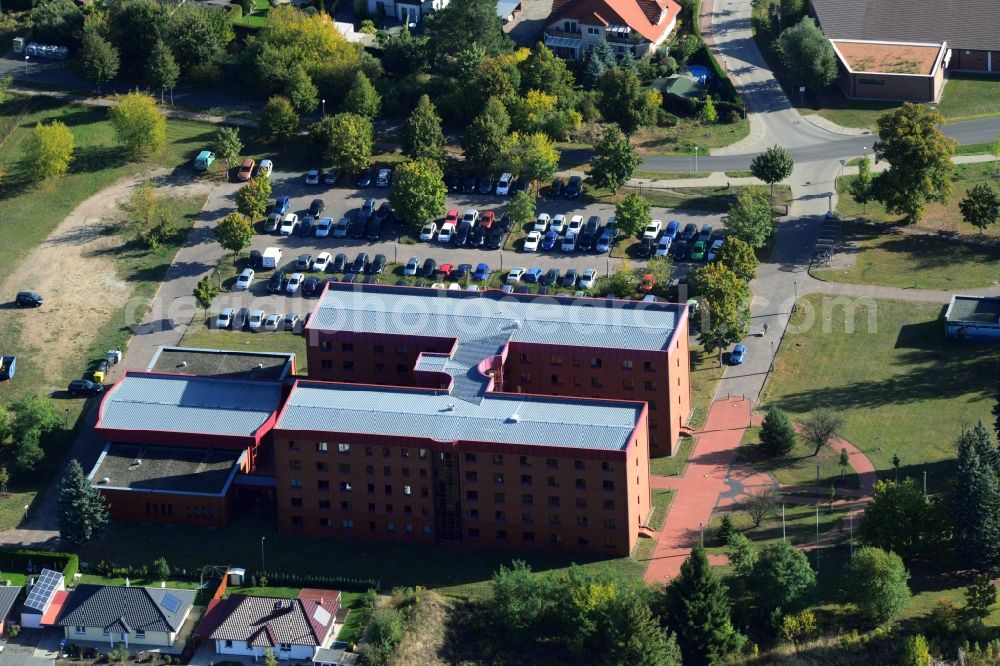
x=74 y=269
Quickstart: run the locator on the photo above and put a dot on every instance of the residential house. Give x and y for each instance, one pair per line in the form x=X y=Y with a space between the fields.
x=145 y=616
x=636 y=26
x=43 y=599
x=8 y=597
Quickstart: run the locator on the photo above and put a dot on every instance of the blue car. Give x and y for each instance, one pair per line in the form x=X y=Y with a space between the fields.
x=482 y=273
x=737 y=355
x=549 y=239
x=673 y=226
x=281 y=205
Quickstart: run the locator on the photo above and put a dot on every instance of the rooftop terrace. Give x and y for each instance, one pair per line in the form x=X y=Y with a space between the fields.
x=165 y=468
x=222 y=363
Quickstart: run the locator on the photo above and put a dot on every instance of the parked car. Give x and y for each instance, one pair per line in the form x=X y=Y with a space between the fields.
x=470 y=216
x=503 y=185
x=225 y=318
x=494 y=238
x=706 y=233
x=738 y=354
x=514 y=275
x=478 y=236
x=384 y=212
x=557 y=187
x=573 y=187
x=680 y=250
x=342 y=227
x=585 y=239
x=412 y=266
x=378 y=264
x=588 y=279
x=520 y=185
x=322 y=262
x=663 y=247
x=358 y=226
x=532 y=241
x=506 y=222
x=246 y=169
x=28 y=299
x=291 y=321
x=429 y=268
x=715 y=248
x=360 y=263
x=84 y=387
x=690 y=231
x=569 y=278
x=312 y=177
x=384 y=178
x=550 y=277
x=429 y=231
x=311 y=286
x=469 y=184
x=673 y=226
x=646 y=248
x=272 y=322
x=265 y=168
x=453 y=180
x=316 y=207
x=330 y=177
x=532 y=275
x=446 y=233
x=244 y=281
x=241 y=319
x=575 y=225
x=306 y=226
x=276 y=283
x=295 y=281
x=339 y=264
x=698 y=251
x=653 y=229
x=446 y=269
x=204 y=160
x=272 y=223
x=256 y=319
x=568 y=243
x=289 y=224
x=367 y=208
x=364 y=178
x=486 y=183
x=373 y=230
x=461 y=271
x=542 y=223
x=281 y=205
x=606 y=240
x=549 y=239
x=482 y=272
x=304 y=262
x=323 y=227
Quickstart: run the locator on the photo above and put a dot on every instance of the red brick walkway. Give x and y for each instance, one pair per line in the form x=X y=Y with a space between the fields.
x=699 y=489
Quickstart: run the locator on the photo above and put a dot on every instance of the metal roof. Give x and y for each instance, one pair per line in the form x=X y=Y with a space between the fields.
x=141 y=608
x=584 y=322
x=8 y=595
x=506 y=418
x=176 y=403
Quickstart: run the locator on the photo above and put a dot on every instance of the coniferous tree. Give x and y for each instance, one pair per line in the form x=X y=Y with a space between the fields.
x=996 y=411
x=83 y=515
x=777 y=437
x=977 y=501
x=422 y=135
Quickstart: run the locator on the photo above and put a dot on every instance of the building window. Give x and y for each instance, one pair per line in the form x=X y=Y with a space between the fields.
x=404 y=453
x=321 y=447
x=529 y=537
x=609 y=523
x=608 y=485
x=523 y=357
x=385 y=451
x=388 y=508
x=499 y=498
x=293 y=446
x=407 y=510
x=470 y=457
x=408 y=528
x=499 y=516
x=501 y=534
x=229 y=644
x=552 y=482
x=593 y=31
x=326 y=364
x=347 y=523
x=380 y=367
x=400 y=351
x=553 y=500
x=424 y=493
x=595 y=362
x=386 y=470
x=474 y=514
x=379 y=349
x=343 y=448
x=609 y=505
x=525 y=377
x=345 y=486
x=390 y=526
x=527 y=519
x=371 y=488
x=81 y=630
x=325 y=523
x=581 y=521
x=580 y=541
x=579 y=464
x=348 y=365
x=626 y=364
x=551 y=463
x=595 y=382
x=344 y=506
x=647 y=366
x=554 y=519
x=556 y=360
x=368 y=451
x=497 y=458
x=609 y=542
x=498 y=477
x=294 y=464
x=555 y=380
x=525 y=479
x=370 y=470
x=407 y=490
x=323 y=467
x=571 y=26
x=371 y=507
x=649 y=385
x=607 y=466
x=628 y=384
x=581 y=503
x=524 y=462
x=388 y=489
x=295 y=483
x=472 y=495
x=342 y=468
x=473 y=532
x=423 y=474
x=296 y=502
x=471 y=476
x=422 y=454
x=652 y=404
x=555 y=539
x=581 y=484
x=324 y=345
x=527 y=500
x=297 y=521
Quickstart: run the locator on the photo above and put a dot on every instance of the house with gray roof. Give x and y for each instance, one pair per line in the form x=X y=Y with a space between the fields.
x=9 y=595
x=132 y=616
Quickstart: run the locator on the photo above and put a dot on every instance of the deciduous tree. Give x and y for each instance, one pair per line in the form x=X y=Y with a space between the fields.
x=725 y=306
x=820 y=426
x=782 y=578
x=743 y=554
x=362 y=98
x=139 y=125
x=707 y=114
x=464 y=22
x=633 y=214
x=876 y=582
x=981 y=206
x=808 y=54
x=83 y=516
x=545 y=71
x=301 y=91
x=759 y=504
x=772 y=166
x=750 y=217
x=343 y=140
x=162 y=71
x=862 y=186
x=737 y=255
x=234 y=232
x=914 y=652
x=418 y=192
x=205 y=292
x=899 y=518
x=623 y=282
x=798 y=627
x=253 y=198
x=98 y=59
x=777 y=436
x=615 y=160
x=483 y=142
x=521 y=208
x=48 y=150
x=228 y=145
x=625 y=101
x=533 y=156
x=422 y=135
x=278 y=120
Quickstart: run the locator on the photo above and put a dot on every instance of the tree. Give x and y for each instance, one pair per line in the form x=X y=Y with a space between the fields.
x=278 y=120
x=697 y=607
x=301 y=91
x=623 y=282
x=919 y=158
x=615 y=160
x=661 y=268
x=750 y=217
x=161 y=568
x=686 y=47
x=544 y=71
x=899 y=518
x=777 y=436
x=725 y=306
x=862 y=186
x=995 y=151
x=876 y=582
x=234 y=233
x=707 y=113
x=980 y=596
x=643 y=640
x=422 y=135
x=145 y=219
x=33 y=412
x=844 y=463
x=344 y=140
x=772 y=166
x=725 y=531
x=981 y=206
x=737 y=255
x=820 y=426
x=595 y=66
x=782 y=578
x=4 y=480
x=162 y=71
x=798 y=627
x=808 y=54
x=83 y=516
x=995 y=410
x=533 y=156
x=139 y=125
x=742 y=554
x=521 y=208
x=483 y=142
x=253 y=198
x=625 y=101
x=98 y=59
x=760 y=504
x=791 y=10
x=28 y=451
x=48 y=150
x=464 y=22
x=633 y=214
x=270 y=659
x=361 y=97
x=228 y=145
x=57 y=22
x=976 y=501
x=914 y=652
x=205 y=292
x=418 y=192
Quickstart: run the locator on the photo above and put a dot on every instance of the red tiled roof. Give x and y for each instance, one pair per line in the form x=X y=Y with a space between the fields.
x=643 y=16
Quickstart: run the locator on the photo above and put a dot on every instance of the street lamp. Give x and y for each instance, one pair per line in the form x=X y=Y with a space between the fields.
x=795 y=302
x=26 y=511
x=324 y=106
x=696 y=159
x=25 y=68
x=395 y=253
x=772 y=356
x=262 y=567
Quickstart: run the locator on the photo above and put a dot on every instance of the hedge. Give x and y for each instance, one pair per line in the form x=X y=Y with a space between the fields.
x=18 y=560
x=726 y=89
x=290 y=579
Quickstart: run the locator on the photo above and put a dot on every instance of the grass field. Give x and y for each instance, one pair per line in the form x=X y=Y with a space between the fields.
x=901 y=388
x=798 y=467
x=688 y=133
x=661 y=504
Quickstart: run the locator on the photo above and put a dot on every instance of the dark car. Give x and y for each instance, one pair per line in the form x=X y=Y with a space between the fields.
x=241 y=318
x=494 y=238
x=551 y=277
x=276 y=283
x=569 y=279
x=351 y=278
x=690 y=231
x=84 y=387
x=523 y=289
x=357 y=228
x=330 y=177
x=306 y=226
x=28 y=299
x=486 y=183
x=453 y=180
x=573 y=187
x=368 y=279
x=377 y=265
x=557 y=187
x=469 y=183
x=374 y=229
x=360 y=263
x=646 y=248
x=367 y=209
x=706 y=233
x=384 y=212
x=585 y=242
x=478 y=237
x=339 y=264
x=429 y=268
x=364 y=178
x=317 y=207
x=506 y=222
x=311 y=287
x=681 y=250
x=462 y=233
x=254 y=259
x=461 y=271
x=522 y=184
x=281 y=205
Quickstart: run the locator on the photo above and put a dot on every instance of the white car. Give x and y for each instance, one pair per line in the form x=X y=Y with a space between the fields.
x=515 y=275
x=340 y=229
x=244 y=281
x=288 y=225
x=503 y=185
x=312 y=177
x=429 y=231
x=323 y=227
x=447 y=231
x=384 y=178
x=653 y=229
x=588 y=279
x=542 y=223
x=663 y=247
x=322 y=262
x=225 y=318
x=471 y=216
x=256 y=319
x=412 y=266
x=272 y=322
x=558 y=223
x=264 y=168
x=294 y=282
x=574 y=226
x=715 y=248
x=531 y=241
x=569 y=243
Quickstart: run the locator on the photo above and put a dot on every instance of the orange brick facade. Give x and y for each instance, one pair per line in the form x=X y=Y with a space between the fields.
x=169 y=508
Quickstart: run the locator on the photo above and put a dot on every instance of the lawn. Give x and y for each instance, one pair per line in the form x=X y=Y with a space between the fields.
x=711 y=198
x=705 y=376
x=670 y=175
x=901 y=388
x=800 y=467
x=673 y=465
x=799 y=530
x=688 y=133
x=661 y=505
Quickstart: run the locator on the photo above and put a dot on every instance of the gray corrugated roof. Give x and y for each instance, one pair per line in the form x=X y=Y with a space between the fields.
x=551 y=421
x=974 y=308
x=8 y=595
x=964 y=24
x=204 y=405
x=268 y=621
x=589 y=322
x=141 y=608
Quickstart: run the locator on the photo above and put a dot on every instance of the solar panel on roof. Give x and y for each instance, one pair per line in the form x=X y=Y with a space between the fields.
x=44 y=587
x=171 y=603
x=321 y=615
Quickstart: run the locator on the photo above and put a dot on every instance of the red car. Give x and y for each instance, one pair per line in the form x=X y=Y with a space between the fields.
x=647 y=283
x=446 y=269
x=452 y=217
x=486 y=219
x=246 y=170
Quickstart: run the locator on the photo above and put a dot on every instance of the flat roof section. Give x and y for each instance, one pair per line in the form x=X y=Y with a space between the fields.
x=979 y=309
x=223 y=363
x=147 y=401
x=165 y=469
x=503 y=418
x=889 y=57
x=471 y=316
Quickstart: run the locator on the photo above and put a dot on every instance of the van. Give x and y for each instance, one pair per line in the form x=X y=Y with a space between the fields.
x=271 y=258
x=204 y=160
